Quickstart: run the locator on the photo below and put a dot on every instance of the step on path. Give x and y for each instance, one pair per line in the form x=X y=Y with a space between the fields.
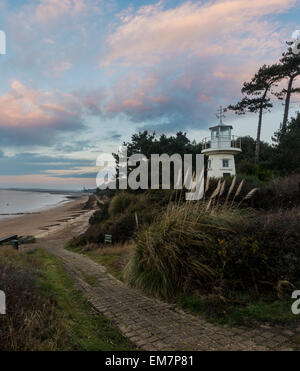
x=153 y=325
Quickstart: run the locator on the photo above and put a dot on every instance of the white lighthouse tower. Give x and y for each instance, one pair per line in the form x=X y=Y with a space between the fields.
x=221 y=148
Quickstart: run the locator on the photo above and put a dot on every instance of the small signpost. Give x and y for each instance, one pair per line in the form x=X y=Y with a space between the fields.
x=108 y=239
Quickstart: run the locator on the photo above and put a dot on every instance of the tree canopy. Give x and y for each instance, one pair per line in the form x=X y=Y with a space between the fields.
x=287 y=145
x=148 y=143
x=257 y=93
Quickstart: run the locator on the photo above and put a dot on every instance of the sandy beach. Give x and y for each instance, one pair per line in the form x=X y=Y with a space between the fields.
x=48 y=222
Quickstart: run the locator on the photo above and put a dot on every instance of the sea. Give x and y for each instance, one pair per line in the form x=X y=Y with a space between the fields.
x=14 y=202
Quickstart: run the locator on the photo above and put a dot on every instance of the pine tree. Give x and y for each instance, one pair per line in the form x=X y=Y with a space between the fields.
x=290 y=70
x=256 y=99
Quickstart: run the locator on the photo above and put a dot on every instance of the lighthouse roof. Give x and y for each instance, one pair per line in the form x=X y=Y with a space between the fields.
x=221 y=126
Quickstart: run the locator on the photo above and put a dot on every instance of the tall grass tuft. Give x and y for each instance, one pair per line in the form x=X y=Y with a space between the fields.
x=174 y=253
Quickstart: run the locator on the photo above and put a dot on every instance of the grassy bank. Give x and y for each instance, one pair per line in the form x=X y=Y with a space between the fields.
x=52 y=314
x=218 y=257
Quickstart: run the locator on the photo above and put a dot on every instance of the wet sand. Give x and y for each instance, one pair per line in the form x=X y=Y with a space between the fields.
x=47 y=222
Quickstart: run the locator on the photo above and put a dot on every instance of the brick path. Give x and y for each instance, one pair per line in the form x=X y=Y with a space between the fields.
x=154 y=325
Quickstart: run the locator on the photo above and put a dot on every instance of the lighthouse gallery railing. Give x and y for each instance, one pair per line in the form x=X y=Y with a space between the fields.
x=222 y=142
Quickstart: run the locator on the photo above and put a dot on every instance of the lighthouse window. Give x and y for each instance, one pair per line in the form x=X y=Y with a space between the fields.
x=215 y=134
x=225 y=132
x=225 y=163
x=209 y=164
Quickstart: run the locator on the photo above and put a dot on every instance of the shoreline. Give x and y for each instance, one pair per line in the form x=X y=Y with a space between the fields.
x=46 y=222
x=76 y=194
x=67 y=197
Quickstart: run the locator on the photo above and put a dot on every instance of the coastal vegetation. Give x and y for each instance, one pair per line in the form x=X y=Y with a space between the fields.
x=46 y=311
x=233 y=256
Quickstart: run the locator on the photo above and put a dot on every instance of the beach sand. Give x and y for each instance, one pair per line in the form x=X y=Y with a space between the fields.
x=69 y=216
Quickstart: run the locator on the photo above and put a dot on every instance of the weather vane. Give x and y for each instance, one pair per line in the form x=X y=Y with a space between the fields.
x=220 y=115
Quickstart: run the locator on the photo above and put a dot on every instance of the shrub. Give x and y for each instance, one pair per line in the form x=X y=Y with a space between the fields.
x=280 y=193
x=120 y=203
x=121 y=227
x=99 y=215
x=121 y=216
x=163 y=197
x=278 y=236
x=189 y=248
x=90 y=203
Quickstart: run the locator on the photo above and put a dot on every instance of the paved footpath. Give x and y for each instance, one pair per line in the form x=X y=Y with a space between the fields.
x=154 y=325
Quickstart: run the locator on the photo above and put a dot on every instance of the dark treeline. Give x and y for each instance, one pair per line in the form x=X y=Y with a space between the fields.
x=282 y=157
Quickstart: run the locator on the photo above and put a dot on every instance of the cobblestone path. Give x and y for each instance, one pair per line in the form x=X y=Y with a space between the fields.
x=154 y=325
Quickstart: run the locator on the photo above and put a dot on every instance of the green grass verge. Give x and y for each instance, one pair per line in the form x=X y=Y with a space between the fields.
x=109 y=261
x=82 y=329
x=249 y=313
x=86 y=330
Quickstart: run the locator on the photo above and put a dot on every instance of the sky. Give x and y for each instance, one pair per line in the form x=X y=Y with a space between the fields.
x=81 y=76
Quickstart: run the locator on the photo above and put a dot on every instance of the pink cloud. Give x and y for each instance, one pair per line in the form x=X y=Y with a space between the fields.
x=61 y=67
x=26 y=107
x=36 y=116
x=135 y=93
x=190 y=58
x=200 y=29
x=49 y=10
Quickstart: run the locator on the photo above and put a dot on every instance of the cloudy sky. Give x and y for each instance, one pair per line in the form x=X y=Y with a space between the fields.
x=81 y=76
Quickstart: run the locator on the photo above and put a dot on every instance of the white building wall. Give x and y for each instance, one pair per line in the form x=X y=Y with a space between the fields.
x=216 y=169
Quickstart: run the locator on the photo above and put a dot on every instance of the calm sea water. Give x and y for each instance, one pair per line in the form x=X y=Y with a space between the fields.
x=21 y=202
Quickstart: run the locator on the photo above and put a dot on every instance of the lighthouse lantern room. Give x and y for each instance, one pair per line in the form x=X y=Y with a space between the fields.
x=221 y=148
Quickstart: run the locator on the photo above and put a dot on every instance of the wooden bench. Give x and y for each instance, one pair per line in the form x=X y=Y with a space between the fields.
x=108 y=239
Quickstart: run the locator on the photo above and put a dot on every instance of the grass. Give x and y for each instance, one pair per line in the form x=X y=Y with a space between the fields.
x=114 y=257
x=250 y=313
x=86 y=330
x=79 y=328
x=110 y=262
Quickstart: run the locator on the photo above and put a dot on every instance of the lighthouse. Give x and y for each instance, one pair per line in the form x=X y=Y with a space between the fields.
x=220 y=148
